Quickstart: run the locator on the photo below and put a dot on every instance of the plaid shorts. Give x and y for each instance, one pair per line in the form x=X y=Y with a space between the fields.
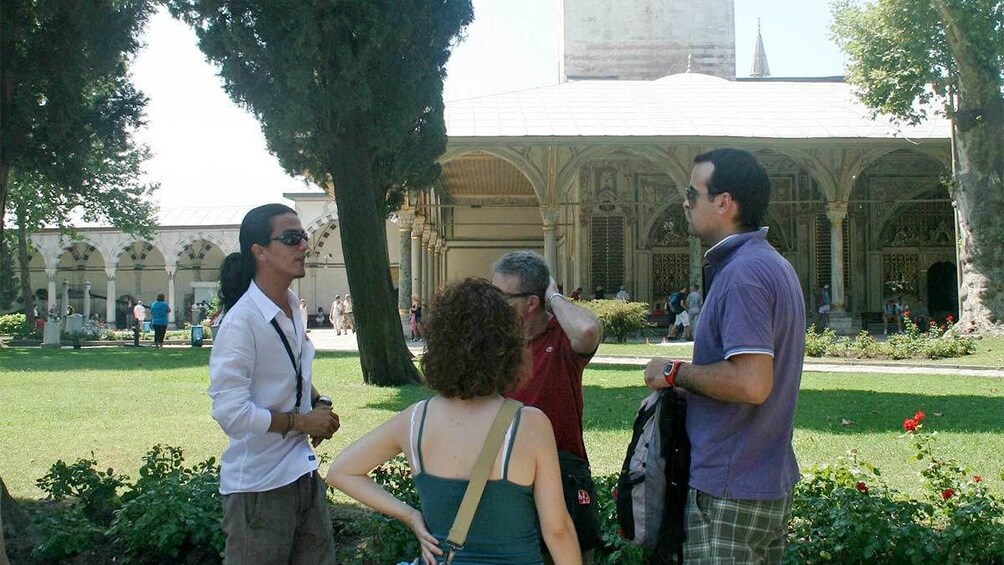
x=720 y=530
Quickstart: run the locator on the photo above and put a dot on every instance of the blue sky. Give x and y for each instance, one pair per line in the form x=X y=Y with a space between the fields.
x=207 y=151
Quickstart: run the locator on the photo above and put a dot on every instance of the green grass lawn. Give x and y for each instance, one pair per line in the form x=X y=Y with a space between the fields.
x=117 y=402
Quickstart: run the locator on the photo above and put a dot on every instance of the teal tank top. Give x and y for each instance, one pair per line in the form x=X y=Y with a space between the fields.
x=505 y=528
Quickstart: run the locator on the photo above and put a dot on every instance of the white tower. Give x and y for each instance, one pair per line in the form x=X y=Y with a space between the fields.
x=645 y=39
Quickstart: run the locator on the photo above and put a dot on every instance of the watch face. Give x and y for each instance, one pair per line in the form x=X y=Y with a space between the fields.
x=669 y=369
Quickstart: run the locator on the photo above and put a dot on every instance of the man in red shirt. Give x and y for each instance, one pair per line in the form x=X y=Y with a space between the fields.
x=562 y=337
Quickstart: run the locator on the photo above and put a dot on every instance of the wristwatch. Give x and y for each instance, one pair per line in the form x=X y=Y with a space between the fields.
x=321 y=400
x=670 y=372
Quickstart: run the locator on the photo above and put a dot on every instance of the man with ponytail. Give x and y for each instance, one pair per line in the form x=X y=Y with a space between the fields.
x=264 y=400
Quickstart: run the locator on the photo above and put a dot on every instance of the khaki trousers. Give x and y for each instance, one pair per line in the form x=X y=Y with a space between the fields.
x=287 y=525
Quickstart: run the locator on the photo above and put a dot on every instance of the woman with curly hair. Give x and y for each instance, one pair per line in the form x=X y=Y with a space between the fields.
x=474 y=352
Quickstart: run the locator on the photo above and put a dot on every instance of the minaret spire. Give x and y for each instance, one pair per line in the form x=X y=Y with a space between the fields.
x=760 y=67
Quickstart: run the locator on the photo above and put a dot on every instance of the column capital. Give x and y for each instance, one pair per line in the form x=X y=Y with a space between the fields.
x=417 y=225
x=550 y=215
x=405 y=219
x=171 y=269
x=426 y=234
x=836 y=211
x=439 y=245
x=51 y=273
x=433 y=238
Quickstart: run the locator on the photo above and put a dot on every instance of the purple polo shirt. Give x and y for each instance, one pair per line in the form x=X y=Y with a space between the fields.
x=753 y=304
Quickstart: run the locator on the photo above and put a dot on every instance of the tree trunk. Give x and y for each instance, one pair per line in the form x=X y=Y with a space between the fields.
x=385 y=359
x=13 y=520
x=979 y=192
x=23 y=270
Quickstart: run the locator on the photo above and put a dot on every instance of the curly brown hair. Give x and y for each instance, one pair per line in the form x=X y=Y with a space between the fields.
x=474 y=344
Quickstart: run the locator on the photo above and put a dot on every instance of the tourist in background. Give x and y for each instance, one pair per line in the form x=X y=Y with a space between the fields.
x=159 y=311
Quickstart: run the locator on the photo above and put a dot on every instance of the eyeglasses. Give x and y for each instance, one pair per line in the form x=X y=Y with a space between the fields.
x=518 y=294
x=291 y=238
x=692 y=194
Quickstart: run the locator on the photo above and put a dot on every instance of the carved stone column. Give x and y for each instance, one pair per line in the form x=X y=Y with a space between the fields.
x=840 y=321
x=171 y=269
x=426 y=264
x=66 y=299
x=110 y=301
x=51 y=302
x=437 y=253
x=416 y=256
x=87 y=301
x=550 y=216
x=836 y=212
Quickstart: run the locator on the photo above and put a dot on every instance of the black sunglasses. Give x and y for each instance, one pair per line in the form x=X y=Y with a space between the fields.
x=291 y=238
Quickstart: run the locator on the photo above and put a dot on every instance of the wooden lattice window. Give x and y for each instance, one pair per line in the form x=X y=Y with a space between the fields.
x=670 y=272
x=607 y=256
x=900 y=274
x=824 y=255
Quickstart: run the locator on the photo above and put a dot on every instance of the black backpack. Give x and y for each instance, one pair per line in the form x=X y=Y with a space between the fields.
x=676 y=302
x=654 y=480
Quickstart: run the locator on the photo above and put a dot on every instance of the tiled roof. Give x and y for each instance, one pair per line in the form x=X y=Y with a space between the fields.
x=682 y=105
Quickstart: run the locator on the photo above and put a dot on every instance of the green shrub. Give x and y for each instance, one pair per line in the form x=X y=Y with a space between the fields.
x=66 y=530
x=16 y=326
x=95 y=491
x=170 y=511
x=819 y=344
x=844 y=513
x=911 y=344
x=620 y=319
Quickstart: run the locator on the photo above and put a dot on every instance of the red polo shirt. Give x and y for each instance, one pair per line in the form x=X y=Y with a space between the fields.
x=556 y=386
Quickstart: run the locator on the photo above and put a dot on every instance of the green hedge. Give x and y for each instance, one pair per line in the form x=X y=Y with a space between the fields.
x=620 y=319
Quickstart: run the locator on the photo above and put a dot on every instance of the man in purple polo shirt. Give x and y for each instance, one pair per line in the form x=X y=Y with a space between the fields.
x=744 y=379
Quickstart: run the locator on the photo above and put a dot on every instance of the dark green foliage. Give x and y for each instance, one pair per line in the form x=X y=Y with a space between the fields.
x=66 y=532
x=170 y=511
x=66 y=104
x=620 y=319
x=937 y=343
x=350 y=94
x=95 y=491
x=844 y=513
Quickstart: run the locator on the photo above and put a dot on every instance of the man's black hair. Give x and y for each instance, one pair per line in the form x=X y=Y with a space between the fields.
x=742 y=175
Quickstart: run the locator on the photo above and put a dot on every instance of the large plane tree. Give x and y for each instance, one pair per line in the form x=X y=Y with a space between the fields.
x=350 y=94
x=905 y=56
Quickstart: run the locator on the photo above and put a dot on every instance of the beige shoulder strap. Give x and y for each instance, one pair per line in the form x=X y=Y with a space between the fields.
x=479 y=476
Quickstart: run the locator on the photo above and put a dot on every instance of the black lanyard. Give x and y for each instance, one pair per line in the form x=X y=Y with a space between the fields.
x=292 y=359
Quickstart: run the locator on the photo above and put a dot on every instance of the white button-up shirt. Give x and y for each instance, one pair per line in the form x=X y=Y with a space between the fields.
x=250 y=373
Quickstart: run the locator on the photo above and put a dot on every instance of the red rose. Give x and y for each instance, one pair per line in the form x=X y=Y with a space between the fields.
x=919 y=417
x=948 y=493
x=861 y=487
x=910 y=425
x=977 y=479
x=949 y=318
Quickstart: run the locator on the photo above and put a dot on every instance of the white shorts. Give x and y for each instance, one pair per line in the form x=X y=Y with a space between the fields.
x=683 y=319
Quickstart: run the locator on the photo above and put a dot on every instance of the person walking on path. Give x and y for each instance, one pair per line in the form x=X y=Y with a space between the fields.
x=562 y=338
x=349 y=321
x=747 y=365
x=138 y=316
x=159 y=311
x=474 y=354
x=337 y=314
x=263 y=397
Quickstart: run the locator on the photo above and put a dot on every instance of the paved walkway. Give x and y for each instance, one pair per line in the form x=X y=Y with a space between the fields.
x=327 y=340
